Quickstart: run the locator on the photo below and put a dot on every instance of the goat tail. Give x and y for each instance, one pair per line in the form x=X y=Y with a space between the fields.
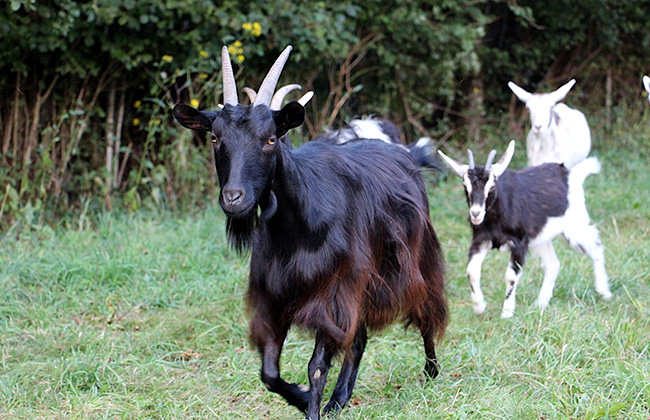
x=583 y=169
x=423 y=154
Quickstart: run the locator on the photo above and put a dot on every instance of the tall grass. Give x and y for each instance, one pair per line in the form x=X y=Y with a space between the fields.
x=141 y=316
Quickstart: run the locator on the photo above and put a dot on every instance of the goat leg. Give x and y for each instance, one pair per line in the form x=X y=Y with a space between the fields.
x=318 y=368
x=348 y=376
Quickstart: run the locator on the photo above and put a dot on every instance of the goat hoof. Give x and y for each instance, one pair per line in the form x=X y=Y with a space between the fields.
x=507 y=314
x=607 y=295
x=479 y=307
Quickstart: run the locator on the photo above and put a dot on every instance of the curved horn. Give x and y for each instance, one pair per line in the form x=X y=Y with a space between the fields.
x=470 y=158
x=488 y=163
x=276 y=102
x=229 y=86
x=265 y=92
x=250 y=93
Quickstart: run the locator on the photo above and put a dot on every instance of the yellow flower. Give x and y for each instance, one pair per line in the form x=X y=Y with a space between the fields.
x=154 y=121
x=237 y=43
x=167 y=58
x=137 y=104
x=257 y=29
x=231 y=49
x=240 y=58
x=203 y=53
x=247 y=26
x=203 y=76
x=194 y=103
x=136 y=121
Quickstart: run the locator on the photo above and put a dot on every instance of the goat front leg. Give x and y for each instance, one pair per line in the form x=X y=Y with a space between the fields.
x=270 y=350
x=348 y=376
x=477 y=254
x=513 y=274
x=318 y=368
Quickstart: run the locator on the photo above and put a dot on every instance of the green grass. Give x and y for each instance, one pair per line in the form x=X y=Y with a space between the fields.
x=142 y=317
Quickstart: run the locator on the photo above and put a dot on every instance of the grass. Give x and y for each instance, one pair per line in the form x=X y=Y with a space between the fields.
x=142 y=317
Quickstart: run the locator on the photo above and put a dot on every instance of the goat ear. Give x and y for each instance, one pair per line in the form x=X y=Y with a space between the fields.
x=194 y=119
x=562 y=91
x=522 y=94
x=500 y=167
x=457 y=167
x=290 y=116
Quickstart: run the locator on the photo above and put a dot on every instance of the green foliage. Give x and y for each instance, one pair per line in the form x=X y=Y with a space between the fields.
x=436 y=68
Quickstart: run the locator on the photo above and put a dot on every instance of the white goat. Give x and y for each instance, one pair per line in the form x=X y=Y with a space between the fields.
x=558 y=133
x=646 y=85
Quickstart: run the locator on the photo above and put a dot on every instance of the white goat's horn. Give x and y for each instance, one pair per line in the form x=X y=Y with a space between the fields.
x=488 y=163
x=276 y=102
x=265 y=92
x=229 y=86
x=470 y=158
x=250 y=93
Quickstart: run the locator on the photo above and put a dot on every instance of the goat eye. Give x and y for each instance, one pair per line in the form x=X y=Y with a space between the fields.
x=271 y=140
x=214 y=138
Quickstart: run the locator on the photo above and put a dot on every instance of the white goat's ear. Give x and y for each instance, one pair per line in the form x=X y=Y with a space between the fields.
x=646 y=83
x=522 y=94
x=304 y=99
x=561 y=93
x=500 y=167
x=457 y=167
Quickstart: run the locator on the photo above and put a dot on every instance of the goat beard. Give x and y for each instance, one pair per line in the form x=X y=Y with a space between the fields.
x=240 y=230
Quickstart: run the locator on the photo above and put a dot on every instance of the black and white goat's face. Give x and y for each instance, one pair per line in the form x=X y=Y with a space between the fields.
x=540 y=105
x=244 y=138
x=480 y=181
x=245 y=141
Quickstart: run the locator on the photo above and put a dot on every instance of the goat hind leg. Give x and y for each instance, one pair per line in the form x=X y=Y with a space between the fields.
x=348 y=376
x=513 y=274
x=588 y=241
x=551 y=266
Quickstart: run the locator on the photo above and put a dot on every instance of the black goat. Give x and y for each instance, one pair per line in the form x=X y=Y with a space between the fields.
x=343 y=241
x=527 y=209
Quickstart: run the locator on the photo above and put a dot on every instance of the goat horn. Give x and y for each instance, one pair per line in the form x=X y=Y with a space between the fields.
x=306 y=98
x=276 y=102
x=488 y=163
x=265 y=92
x=470 y=158
x=229 y=86
x=250 y=93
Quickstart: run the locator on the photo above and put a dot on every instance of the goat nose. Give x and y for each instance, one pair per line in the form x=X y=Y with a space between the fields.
x=232 y=195
x=474 y=213
x=538 y=127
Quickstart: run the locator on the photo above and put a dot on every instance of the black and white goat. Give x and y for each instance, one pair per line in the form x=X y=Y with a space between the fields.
x=557 y=133
x=340 y=238
x=527 y=209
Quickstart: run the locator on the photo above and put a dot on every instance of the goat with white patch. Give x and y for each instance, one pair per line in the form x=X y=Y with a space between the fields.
x=526 y=209
x=646 y=85
x=558 y=133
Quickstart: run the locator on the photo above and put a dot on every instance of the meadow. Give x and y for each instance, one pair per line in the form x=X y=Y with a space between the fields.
x=141 y=316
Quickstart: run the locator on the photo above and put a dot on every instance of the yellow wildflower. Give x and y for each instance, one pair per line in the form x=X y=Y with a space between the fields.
x=257 y=29
x=247 y=26
x=154 y=121
x=237 y=43
x=137 y=104
x=203 y=53
x=167 y=58
x=136 y=121
x=203 y=76
x=240 y=58
x=194 y=103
